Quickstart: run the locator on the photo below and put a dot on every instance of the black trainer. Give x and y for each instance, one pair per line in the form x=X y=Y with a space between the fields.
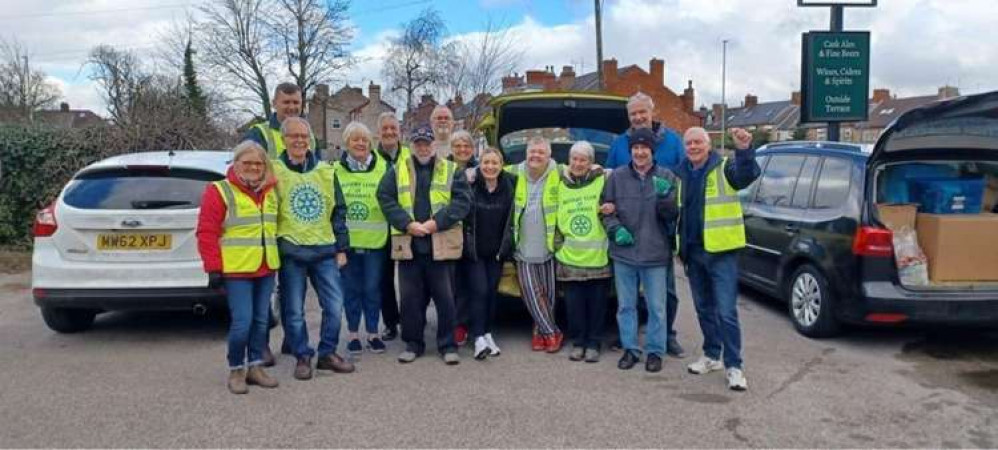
x=354 y=347
x=653 y=364
x=375 y=345
x=628 y=360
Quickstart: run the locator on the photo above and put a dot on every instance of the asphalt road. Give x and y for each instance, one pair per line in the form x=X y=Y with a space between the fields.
x=158 y=380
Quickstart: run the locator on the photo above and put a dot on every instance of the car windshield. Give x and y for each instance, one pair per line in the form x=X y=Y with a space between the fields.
x=139 y=189
x=514 y=145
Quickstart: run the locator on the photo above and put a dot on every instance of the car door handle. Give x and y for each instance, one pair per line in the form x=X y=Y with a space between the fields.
x=791 y=228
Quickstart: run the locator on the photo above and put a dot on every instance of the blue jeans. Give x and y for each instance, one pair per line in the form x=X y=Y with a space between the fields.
x=249 y=309
x=362 y=283
x=714 y=282
x=325 y=277
x=654 y=280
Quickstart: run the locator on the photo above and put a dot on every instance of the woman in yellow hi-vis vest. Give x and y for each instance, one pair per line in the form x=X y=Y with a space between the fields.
x=580 y=250
x=358 y=174
x=237 y=240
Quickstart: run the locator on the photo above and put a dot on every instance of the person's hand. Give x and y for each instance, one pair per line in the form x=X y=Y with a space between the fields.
x=470 y=173
x=430 y=226
x=341 y=259
x=215 y=280
x=416 y=229
x=662 y=186
x=743 y=139
x=607 y=208
x=623 y=237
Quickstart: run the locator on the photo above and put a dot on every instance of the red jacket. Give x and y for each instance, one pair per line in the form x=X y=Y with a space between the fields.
x=211 y=227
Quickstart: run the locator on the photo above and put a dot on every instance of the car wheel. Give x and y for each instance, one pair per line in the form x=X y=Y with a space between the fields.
x=811 y=303
x=66 y=320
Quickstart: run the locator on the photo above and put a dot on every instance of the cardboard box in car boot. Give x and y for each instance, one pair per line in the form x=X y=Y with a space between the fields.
x=960 y=247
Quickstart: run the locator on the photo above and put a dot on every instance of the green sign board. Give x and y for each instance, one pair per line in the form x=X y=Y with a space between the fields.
x=835 y=76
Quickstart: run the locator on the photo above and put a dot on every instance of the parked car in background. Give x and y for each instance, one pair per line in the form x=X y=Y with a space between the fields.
x=121 y=236
x=561 y=117
x=817 y=240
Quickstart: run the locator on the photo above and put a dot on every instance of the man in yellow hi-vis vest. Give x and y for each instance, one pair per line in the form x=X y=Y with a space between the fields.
x=287 y=102
x=390 y=150
x=425 y=198
x=711 y=231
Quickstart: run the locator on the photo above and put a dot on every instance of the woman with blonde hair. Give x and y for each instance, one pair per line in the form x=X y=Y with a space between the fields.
x=237 y=240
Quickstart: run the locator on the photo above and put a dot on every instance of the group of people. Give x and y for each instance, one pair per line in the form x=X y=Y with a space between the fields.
x=442 y=218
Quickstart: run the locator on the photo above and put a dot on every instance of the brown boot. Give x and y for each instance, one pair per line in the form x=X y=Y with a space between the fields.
x=257 y=376
x=335 y=363
x=237 y=381
x=303 y=369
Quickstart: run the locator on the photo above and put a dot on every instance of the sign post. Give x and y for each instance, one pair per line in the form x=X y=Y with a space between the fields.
x=835 y=70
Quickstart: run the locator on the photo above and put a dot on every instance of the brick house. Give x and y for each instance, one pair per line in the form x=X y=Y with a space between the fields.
x=64 y=117
x=675 y=110
x=329 y=114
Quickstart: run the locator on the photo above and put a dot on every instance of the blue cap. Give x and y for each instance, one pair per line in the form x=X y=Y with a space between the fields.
x=423 y=133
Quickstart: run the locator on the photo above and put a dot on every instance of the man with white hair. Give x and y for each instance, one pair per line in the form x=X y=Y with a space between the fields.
x=712 y=230
x=667 y=152
x=391 y=150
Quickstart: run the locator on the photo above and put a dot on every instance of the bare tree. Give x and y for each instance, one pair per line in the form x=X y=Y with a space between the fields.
x=236 y=40
x=21 y=87
x=483 y=60
x=313 y=36
x=120 y=78
x=419 y=59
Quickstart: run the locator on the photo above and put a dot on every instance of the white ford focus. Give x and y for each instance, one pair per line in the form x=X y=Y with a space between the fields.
x=121 y=236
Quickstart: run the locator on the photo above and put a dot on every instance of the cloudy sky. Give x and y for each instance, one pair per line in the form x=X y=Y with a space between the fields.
x=918 y=45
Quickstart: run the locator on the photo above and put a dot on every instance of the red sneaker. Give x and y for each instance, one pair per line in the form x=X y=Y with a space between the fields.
x=461 y=335
x=538 y=343
x=554 y=342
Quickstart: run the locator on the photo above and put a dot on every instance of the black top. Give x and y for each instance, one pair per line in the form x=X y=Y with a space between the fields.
x=491 y=211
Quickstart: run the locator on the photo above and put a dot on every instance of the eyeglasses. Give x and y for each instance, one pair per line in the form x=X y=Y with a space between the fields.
x=252 y=163
x=296 y=136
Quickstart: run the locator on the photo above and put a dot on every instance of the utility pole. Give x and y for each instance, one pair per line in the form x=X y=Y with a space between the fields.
x=724 y=101
x=836 y=25
x=25 y=85
x=599 y=44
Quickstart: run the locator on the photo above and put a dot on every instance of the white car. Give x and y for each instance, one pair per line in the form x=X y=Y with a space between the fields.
x=121 y=236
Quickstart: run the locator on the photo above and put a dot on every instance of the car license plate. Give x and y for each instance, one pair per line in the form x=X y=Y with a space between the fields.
x=134 y=241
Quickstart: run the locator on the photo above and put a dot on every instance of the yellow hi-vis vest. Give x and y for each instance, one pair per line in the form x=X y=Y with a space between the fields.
x=306 y=204
x=365 y=220
x=585 y=242
x=723 y=223
x=549 y=202
x=440 y=185
x=275 y=140
x=250 y=231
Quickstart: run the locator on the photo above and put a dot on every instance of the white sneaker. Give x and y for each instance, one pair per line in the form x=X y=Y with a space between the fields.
x=704 y=365
x=492 y=345
x=736 y=380
x=481 y=348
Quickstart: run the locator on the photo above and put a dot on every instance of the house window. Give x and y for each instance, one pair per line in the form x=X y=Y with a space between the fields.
x=336 y=124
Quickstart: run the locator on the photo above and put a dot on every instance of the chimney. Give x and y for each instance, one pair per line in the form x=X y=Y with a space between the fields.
x=881 y=95
x=656 y=68
x=567 y=78
x=321 y=91
x=64 y=107
x=715 y=111
x=374 y=93
x=458 y=101
x=689 y=95
x=948 y=92
x=610 y=71
x=511 y=82
x=535 y=77
x=751 y=100
x=795 y=97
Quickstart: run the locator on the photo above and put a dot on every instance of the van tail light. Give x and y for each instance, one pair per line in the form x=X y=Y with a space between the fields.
x=873 y=241
x=45 y=222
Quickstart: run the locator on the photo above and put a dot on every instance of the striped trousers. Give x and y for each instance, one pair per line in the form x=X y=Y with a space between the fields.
x=538 y=292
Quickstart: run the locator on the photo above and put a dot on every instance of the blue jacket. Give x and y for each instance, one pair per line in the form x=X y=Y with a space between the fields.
x=668 y=149
x=740 y=175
